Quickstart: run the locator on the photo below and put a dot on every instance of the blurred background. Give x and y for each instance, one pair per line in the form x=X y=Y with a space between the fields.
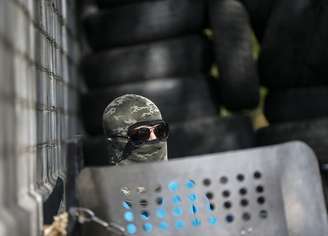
x=226 y=74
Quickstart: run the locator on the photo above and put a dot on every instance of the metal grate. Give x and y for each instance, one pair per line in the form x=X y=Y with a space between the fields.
x=266 y=191
x=38 y=106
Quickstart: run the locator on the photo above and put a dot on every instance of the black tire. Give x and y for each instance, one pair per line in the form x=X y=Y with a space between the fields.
x=259 y=13
x=144 y=22
x=324 y=174
x=179 y=99
x=175 y=57
x=52 y=204
x=296 y=104
x=314 y=133
x=114 y=3
x=210 y=135
x=239 y=82
x=86 y=7
x=95 y=151
x=294 y=51
x=193 y=137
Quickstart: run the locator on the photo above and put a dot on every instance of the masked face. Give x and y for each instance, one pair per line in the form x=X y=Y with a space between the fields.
x=121 y=121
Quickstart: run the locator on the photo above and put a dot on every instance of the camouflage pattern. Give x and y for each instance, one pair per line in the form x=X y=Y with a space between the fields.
x=119 y=115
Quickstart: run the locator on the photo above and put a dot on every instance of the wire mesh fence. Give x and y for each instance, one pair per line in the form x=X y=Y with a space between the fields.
x=38 y=106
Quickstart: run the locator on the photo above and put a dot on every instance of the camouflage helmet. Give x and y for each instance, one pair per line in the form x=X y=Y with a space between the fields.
x=118 y=116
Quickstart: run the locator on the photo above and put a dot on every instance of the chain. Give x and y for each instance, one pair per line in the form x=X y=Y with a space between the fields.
x=83 y=216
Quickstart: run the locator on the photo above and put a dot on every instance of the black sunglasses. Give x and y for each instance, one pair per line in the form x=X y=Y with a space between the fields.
x=140 y=133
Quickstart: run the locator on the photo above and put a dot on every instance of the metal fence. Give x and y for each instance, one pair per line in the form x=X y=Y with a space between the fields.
x=38 y=106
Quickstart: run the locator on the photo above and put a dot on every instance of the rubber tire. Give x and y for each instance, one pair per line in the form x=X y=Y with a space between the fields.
x=95 y=151
x=239 y=83
x=259 y=13
x=194 y=137
x=84 y=8
x=210 y=135
x=293 y=51
x=174 y=57
x=53 y=202
x=143 y=22
x=314 y=133
x=324 y=174
x=115 y=3
x=296 y=104
x=179 y=99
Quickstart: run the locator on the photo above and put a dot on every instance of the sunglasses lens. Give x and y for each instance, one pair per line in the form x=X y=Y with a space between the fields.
x=162 y=131
x=140 y=135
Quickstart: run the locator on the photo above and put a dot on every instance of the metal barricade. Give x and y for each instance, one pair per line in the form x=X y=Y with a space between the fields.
x=265 y=191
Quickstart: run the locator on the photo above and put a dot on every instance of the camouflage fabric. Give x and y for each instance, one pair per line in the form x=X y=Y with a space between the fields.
x=119 y=115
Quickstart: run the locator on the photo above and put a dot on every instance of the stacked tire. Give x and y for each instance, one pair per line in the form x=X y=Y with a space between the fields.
x=157 y=49
x=293 y=66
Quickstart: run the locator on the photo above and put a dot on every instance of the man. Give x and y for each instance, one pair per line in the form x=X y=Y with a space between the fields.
x=135 y=130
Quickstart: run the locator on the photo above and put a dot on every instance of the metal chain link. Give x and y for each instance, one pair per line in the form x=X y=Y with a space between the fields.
x=84 y=215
